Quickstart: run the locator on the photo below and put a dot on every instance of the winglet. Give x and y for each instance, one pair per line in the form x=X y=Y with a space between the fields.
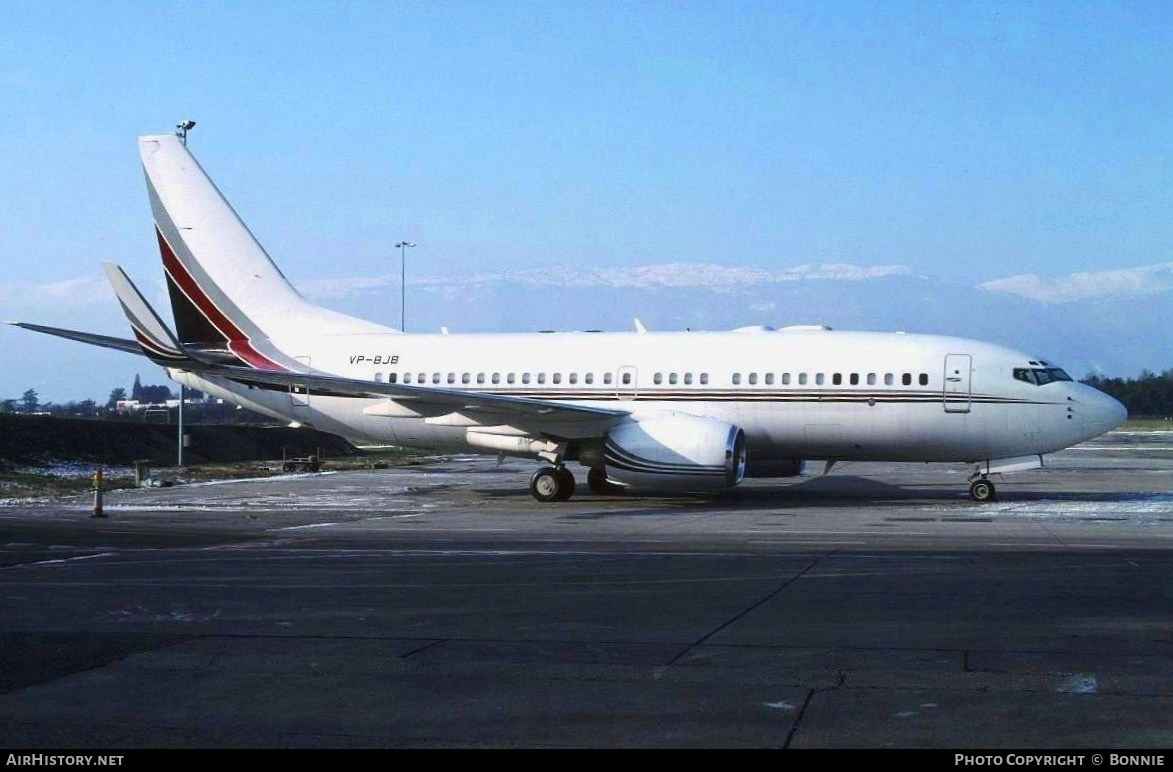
x=156 y=340
x=639 y=326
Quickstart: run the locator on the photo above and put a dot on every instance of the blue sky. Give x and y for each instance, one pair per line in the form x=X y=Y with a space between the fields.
x=968 y=141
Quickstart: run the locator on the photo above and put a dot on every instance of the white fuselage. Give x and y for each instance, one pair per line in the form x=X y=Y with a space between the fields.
x=809 y=393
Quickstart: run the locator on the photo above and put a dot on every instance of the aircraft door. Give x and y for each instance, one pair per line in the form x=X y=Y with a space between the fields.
x=626 y=382
x=957 y=382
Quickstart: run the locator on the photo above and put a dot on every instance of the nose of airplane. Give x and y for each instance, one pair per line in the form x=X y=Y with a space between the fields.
x=1101 y=413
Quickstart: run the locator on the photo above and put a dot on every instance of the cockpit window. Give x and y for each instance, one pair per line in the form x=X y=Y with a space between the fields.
x=1040 y=376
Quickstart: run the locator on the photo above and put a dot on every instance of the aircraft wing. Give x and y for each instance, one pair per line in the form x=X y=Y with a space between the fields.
x=152 y=339
x=454 y=407
x=437 y=405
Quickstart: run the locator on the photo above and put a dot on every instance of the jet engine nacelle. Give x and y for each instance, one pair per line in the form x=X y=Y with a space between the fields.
x=675 y=450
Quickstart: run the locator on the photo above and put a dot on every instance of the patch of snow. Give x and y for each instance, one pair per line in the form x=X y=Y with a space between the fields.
x=1078 y=684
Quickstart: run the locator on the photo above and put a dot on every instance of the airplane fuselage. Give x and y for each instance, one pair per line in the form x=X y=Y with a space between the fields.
x=806 y=393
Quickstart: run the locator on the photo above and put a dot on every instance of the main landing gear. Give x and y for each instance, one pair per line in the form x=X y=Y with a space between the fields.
x=552 y=483
x=556 y=483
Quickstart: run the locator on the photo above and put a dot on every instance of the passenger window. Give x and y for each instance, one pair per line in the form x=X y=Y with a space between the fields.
x=496 y=377
x=480 y=377
x=736 y=379
x=541 y=377
x=606 y=379
x=818 y=379
x=704 y=379
x=627 y=379
x=407 y=377
x=392 y=377
x=688 y=379
x=769 y=379
x=435 y=377
x=837 y=379
x=452 y=377
x=511 y=378
x=525 y=377
x=924 y=379
x=785 y=379
x=378 y=377
x=557 y=377
x=889 y=379
x=855 y=379
x=589 y=378
x=466 y=378
x=802 y=379
x=907 y=379
x=671 y=378
x=871 y=379
x=574 y=377
x=753 y=379
x=658 y=378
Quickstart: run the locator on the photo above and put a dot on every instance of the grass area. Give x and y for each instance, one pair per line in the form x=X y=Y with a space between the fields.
x=1147 y=424
x=378 y=459
x=26 y=484
x=60 y=480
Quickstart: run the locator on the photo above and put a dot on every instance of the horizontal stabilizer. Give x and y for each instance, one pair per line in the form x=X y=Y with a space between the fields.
x=105 y=341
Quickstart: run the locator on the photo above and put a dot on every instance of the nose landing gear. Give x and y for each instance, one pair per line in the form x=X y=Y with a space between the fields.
x=982 y=489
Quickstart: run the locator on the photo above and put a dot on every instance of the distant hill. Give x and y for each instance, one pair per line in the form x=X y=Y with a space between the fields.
x=1118 y=333
x=1113 y=323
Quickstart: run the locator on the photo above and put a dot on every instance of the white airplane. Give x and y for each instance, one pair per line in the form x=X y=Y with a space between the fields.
x=641 y=410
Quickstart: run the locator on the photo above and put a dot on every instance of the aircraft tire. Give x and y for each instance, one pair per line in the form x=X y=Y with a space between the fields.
x=982 y=490
x=565 y=484
x=546 y=484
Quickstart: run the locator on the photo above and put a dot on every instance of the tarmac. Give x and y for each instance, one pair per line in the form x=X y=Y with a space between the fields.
x=440 y=606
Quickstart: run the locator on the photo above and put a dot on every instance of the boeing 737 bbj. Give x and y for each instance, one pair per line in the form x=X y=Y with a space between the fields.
x=641 y=410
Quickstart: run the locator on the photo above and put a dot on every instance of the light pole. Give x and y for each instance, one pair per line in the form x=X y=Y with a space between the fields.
x=403 y=245
x=183 y=127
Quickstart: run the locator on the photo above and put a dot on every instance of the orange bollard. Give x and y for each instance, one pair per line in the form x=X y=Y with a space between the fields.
x=96 y=480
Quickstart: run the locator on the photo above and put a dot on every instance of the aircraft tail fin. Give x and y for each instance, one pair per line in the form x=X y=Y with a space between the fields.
x=227 y=295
